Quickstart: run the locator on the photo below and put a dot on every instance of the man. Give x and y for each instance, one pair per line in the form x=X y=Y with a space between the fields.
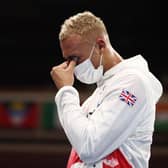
x=114 y=126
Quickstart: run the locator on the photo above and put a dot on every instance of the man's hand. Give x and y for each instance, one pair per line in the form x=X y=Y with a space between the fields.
x=62 y=74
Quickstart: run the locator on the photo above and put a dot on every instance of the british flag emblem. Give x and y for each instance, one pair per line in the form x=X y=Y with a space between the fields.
x=127 y=97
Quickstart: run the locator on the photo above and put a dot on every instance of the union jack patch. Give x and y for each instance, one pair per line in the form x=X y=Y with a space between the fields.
x=127 y=97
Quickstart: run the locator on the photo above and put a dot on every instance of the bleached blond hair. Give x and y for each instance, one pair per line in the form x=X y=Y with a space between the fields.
x=83 y=24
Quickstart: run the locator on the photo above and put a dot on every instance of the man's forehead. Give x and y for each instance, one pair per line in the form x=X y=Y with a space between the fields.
x=70 y=44
x=72 y=40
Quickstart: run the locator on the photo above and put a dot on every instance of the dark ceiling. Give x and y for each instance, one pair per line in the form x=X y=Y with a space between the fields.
x=29 y=30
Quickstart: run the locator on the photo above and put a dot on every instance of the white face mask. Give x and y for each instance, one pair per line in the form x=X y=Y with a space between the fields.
x=87 y=73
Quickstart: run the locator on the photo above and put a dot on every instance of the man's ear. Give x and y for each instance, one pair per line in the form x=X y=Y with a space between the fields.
x=101 y=43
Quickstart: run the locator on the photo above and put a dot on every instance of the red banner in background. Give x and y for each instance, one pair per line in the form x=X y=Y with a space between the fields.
x=19 y=115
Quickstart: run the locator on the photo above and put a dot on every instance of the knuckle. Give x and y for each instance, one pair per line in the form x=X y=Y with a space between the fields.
x=53 y=69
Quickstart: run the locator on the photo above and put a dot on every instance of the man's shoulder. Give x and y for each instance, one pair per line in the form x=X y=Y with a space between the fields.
x=128 y=75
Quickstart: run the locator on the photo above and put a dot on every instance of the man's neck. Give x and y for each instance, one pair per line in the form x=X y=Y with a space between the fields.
x=112 y=59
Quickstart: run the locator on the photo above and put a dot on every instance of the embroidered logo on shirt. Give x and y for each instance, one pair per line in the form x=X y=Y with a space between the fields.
x=127 y=97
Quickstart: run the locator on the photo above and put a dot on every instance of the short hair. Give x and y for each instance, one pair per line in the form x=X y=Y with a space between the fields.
x=81 y=24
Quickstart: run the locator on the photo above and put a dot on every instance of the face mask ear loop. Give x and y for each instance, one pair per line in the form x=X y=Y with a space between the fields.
x=101 y=59
x=91 y=52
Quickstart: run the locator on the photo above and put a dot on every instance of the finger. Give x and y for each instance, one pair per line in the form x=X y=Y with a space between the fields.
x=71 y=65
x=63 y=65
x=52 y=71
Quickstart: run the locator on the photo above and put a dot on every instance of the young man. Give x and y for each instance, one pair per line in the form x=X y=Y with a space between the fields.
x=114 y=126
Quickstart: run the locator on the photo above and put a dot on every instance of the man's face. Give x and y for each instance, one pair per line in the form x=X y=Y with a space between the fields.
x=75 y=46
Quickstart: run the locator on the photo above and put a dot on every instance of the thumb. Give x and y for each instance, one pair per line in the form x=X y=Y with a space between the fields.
x=71 y=65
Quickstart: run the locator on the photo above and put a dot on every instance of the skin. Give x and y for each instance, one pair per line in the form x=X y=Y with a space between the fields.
x=63 y=74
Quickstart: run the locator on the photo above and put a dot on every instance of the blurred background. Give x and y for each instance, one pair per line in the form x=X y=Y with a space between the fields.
x=30 y=133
